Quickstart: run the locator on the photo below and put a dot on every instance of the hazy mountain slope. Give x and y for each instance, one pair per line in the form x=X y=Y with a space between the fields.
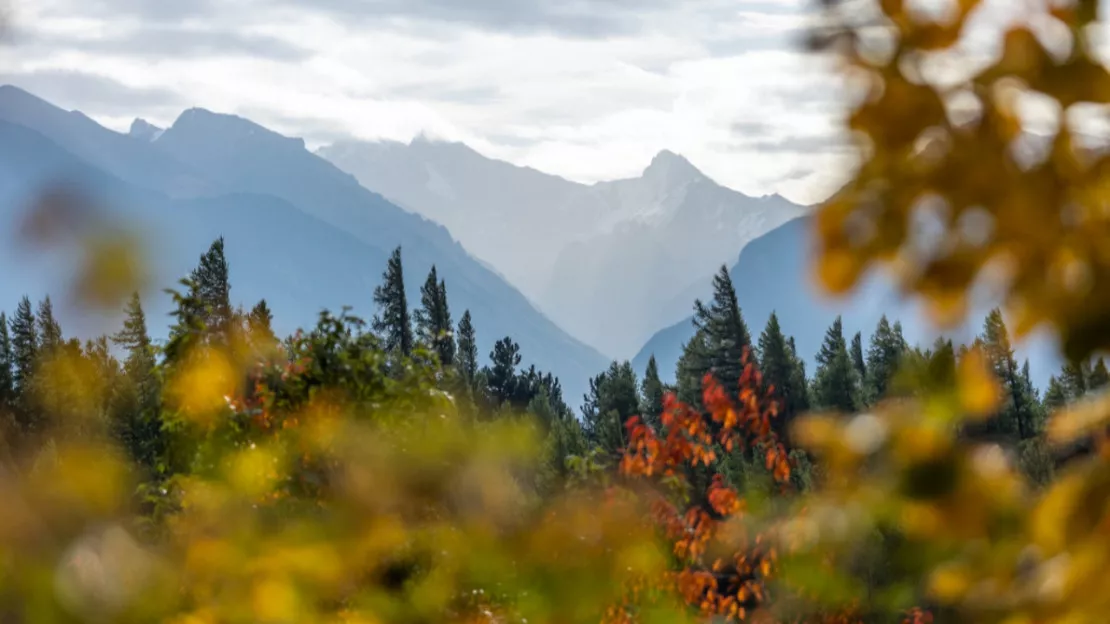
x=602 y=260
x=311 y=230
x=773 y=275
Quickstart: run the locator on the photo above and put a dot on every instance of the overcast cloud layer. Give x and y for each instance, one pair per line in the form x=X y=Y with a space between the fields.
x=587 y=89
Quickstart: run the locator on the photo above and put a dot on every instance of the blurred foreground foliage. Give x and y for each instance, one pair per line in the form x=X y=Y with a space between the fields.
x=352 y=475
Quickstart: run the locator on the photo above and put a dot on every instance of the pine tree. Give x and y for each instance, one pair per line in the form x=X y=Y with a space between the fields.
x=7 y=364
x=260 y=324
x=1056 y=396
x=392 y=321
x=25 y=345
x=137 y=419
x=834 y=382
x=1018 y=415
x=213 y=290
x=501 y=377
x=721 y=340
x=468 y=349
x=799 y=381
x=884 y=356
x=781 y=375
x=433 y=319
x=50 y=332
x=1074 y=378
x=857 y=356
x=653 y=392
x=612 y=400
x=1100 y=377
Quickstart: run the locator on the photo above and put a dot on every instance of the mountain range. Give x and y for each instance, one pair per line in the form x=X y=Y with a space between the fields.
x=604 y=260
x=299 y=231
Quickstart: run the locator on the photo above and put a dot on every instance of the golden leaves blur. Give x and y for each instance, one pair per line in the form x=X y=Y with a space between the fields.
x=1045 y=217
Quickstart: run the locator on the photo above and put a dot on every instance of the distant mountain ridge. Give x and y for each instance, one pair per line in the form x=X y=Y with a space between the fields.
x=602 y=260
x=297 y=225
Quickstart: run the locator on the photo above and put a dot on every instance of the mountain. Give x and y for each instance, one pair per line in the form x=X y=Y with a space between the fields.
x=773 y=274
x=144 y=130
x=601 y=259
x=299 y=231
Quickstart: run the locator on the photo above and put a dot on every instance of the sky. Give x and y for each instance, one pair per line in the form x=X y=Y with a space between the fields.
x=587 y=89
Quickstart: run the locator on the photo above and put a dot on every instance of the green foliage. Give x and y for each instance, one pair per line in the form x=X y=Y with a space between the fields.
x=652 y=393
x=835 y=383
x=433 y=320
x=721 y=339
x=783 y=375
x=50 y=332
x=467 y=349
x=612 y=400
x=392 y=321
x=213 y=292
x=884 y=356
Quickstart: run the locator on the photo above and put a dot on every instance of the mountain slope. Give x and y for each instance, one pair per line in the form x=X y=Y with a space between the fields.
x=600 y=259
x=295 y=213
x=773 y=275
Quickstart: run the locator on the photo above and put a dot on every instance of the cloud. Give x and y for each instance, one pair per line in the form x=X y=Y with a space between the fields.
x=162 y=41
x=77 y=89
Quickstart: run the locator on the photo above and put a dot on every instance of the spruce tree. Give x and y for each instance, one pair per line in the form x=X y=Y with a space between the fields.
x=433 y=319
x=468 y=349
x=1074 y=378
x=445 y=346
x=801 y=400
x=834 y=382
x=1018 y=415
x=392 y=320
x=1055 y=396
x=501 y=377
x=612 y=400
x=25 y=345
x=138 y=421
x=721 y=338
x=781 y=375
x=7 y=365
x=260 y=324
x=884 y=356
x=50 y=332
x=857 y=356
x=213 y=290
x=653 y=392
x=1100 y=377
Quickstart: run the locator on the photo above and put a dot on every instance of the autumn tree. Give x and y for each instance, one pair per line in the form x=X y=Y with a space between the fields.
x=392 y=320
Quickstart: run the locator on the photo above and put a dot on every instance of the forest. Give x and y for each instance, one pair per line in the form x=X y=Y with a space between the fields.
x=383 y=470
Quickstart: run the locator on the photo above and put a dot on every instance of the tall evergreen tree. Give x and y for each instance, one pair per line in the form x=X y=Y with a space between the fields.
x=801 y=400
x=260 y=324
x=857 y=357
x=25 y=344
x=652 y=390
x=392 y=321
x=7 y=365
x=50 y=332
x=1074 y=377
x=1018 y=416
x=1055 y=396
x=781 y=375
x=433 y=319
x=1100 y=377
x=834 y=382
x=138 y=421
x=468 y=348
x=501 y=377
x=213 y=291
x=612 y=400
x=884 y=356
x=721 y=339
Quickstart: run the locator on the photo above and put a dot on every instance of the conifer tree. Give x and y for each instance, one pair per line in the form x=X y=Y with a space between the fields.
x=433 y=319
x=260 y=324
x=1074 y=378
x=1100 y=377
x=653 y=392
x=720 y=341
x=884 y=356
x=445 y=347
x=468 y=349
x=392 y=320
x=1018 y=415
x=612 y=400
x=25 y=344
x=1056 y=395
x=7 y=364
x=783 y=373
x=857 y=356
x=501 y=377
x=834 y=382
x=50 y=332
x=213 y=291
x=138 y=420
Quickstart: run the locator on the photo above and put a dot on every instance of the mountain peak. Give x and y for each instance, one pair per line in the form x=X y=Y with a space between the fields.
x=144 y=130
x=671 y=167
x=221 y=128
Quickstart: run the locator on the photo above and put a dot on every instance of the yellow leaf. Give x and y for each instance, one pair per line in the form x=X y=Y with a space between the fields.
x=980 y=394
x=949 y=583
x=1079 y=419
